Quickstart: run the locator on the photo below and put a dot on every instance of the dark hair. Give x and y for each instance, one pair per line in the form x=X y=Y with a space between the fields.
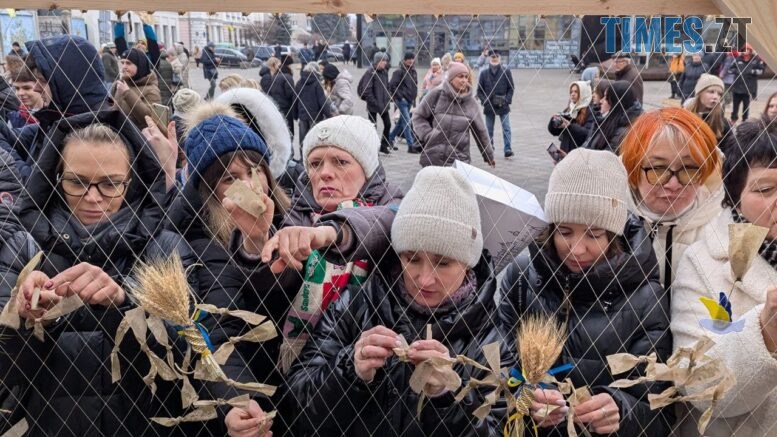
x=545 y=241
x=408 y=55
x=618 y=94
x=16 y=44
x=753 y=146
x=23 y=75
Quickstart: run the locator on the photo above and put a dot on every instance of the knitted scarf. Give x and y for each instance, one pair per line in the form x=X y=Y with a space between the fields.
x=768 y=249
x=323 y=283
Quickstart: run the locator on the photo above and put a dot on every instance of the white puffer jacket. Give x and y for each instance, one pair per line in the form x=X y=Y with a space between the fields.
x=342 y=94
x=750 y=407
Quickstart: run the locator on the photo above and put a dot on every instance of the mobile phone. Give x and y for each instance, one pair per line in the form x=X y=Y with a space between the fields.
x=163 y=113
x=554 y=153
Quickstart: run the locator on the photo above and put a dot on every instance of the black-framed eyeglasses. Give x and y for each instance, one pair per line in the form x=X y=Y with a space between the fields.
x=106 y=188
x=662 y=175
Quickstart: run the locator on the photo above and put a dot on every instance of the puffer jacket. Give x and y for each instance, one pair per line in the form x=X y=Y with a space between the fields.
x=617 y=306
x=64 y=383
x=137 y=102
x=280 y=87
x=575 y=135
x=60 y=59
x=375 y=84
x=271 y=295
x=311 y=104
x=746 y=75
x=690 y=76
x=443 y=122
x=404 y=84
x=342 y=94
x=336 y=402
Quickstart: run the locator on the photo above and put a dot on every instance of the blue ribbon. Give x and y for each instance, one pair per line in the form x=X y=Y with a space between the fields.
x=516 y=378
x=197 y=318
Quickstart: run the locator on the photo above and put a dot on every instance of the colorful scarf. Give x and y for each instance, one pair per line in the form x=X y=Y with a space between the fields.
x=324 y=281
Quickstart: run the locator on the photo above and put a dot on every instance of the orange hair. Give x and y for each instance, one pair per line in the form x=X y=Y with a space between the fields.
x=686 y=126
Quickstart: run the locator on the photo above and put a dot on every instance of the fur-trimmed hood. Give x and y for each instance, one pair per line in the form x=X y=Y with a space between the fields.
x=264 y=116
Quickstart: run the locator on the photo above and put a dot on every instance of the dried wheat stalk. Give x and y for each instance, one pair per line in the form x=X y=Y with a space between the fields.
x=540 y=340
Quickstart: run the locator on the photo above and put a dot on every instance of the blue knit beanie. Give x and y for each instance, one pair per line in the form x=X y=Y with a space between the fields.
x=216 y=136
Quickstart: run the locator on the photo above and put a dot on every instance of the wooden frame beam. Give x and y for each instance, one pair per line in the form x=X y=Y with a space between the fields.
x=449 y=7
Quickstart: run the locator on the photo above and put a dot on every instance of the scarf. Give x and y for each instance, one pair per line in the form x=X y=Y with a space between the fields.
x=323 y=282
x=768 y=249
x=459 y=299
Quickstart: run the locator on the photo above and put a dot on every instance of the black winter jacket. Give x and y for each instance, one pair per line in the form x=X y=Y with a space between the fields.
x=337 y=402
x=65 y=381
x=746 y=75
x=404 y=84
x=618 y=306
x=575 y=135
x=280 y=87
x=495 y=90
x=690 y=76
x=311 y=104
x=376 y=90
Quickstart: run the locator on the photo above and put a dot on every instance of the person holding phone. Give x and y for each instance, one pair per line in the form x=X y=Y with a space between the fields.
x=573 y=124
x=137 y=90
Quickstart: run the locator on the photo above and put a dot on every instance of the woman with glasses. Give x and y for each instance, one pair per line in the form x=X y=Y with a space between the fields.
x=94 y=207
x=749 y=408
x=673 y=163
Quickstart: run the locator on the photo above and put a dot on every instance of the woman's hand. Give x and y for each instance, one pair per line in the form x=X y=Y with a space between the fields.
x=165 y=146
x=248 y=422
x=423 y=350
x=90 y=283
x=121 y=88
x=295 y=243
x=255 y=231
x=372 y=350
x=48 y=298
x=543 y=399
x=769 y=320
x=600 y=413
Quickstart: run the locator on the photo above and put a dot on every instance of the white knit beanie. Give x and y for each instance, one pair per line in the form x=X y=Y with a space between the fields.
x=589 y=187
x=439 y=215
x=353 y=134
x=185 y=100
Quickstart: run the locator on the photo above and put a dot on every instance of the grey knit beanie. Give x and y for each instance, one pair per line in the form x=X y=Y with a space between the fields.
x=439 y=215
x=354 y=134
x=380 y=56
x=589 y=187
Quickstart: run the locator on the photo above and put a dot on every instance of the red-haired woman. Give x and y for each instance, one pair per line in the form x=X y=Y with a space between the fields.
x=673 y=163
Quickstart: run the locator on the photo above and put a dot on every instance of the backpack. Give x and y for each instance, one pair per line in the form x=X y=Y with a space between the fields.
x=364 y=83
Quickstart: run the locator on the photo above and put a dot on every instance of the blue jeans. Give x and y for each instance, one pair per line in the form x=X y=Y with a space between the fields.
x=403 y=124
x=506 y=132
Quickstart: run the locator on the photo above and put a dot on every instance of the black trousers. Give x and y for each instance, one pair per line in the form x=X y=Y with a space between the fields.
x=745 y=100
x=386 y=125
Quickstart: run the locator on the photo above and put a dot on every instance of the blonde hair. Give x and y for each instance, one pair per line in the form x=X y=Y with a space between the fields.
x=250 y=83
x=231 y=81
x=274 y=64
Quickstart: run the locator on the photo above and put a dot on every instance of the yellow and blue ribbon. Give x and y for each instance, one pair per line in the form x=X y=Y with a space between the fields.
x=197 y=318
x=516 y=379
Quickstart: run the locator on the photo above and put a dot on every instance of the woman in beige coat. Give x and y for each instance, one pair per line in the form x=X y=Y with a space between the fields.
x=673 y=162
x=750 y=407
x=445 y=118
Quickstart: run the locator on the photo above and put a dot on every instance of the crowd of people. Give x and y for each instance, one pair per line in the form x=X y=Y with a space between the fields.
x=346 y=267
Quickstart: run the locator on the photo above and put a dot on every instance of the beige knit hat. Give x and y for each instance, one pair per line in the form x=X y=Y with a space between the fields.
x=439 y=215
x=589 y=187
x=706 y=81
x=354 y=134
x=185 y=100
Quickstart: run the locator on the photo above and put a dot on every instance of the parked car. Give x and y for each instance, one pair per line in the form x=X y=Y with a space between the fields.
x=334 y=54
x=232 y=58
x=262 y=52
x=290 y=51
